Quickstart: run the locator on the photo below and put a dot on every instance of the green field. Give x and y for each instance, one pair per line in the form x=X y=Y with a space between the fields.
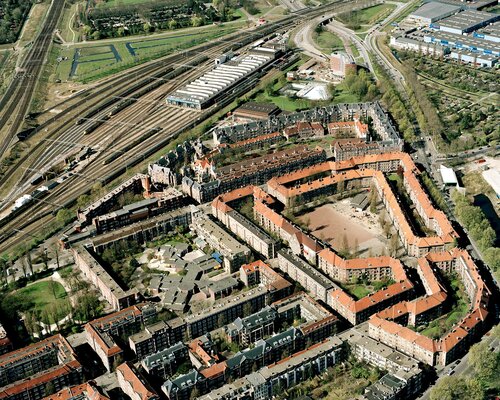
x=41 y=293
x=357 y=291
x=121 y=3
x=361 y=19
x=88 y=62
x=328 y=42
x=47 y=300
x=4 y=55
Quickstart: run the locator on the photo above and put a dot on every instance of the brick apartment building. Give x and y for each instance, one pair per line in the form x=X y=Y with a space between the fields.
x=255 y=171
x=235 y=254
x=133 y=383
x=28 y=372
x=103 y=334
x=91 y=268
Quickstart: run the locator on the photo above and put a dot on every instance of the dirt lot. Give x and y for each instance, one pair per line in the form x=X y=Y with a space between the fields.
x=332 y=221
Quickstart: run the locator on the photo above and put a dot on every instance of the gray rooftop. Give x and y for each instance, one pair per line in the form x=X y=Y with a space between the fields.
x=468 y=19
x=309 y=270
x=434 y=10
x=165 y=356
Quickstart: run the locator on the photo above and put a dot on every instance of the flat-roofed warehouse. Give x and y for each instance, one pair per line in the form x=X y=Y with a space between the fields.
x=477 y=59
x=471 y=4
x=465 y=22
x=201 y=92
x=461 y=42
x=432 y=12
x=490 y=32
x=256 y=111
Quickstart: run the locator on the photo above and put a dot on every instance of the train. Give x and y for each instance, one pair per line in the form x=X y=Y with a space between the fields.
x=25 y=201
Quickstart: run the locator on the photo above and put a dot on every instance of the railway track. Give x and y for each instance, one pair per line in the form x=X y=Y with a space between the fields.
x=175 y=120
x=112 y=89
x=17 y=98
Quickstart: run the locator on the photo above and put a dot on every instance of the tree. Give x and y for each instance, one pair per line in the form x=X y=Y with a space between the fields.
x=196 y=21
x=221 y=320
x=345 y=245
x=373 y=200
x=495 y=332
x=3 y=269
x=53 y=287
x=393 y=245
x=457 y=388
x=55 y=250
x=49 y=389
x=484 y=361
x=172 y=24
x=82 y=201
x=64 y=216
x=29 y=261
x=355 y=249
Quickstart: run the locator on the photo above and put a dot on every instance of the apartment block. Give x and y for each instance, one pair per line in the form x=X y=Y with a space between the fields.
x=319 y=323
x=255 y=171
x=133 y=383
x=235 y=253
x=156 y=337
x=135 y=185
x=164 y=363
x=26 y=373
x=101 y=332
x=118 y=297
x=86 y=391
x=249 y=329
x=246 y=230
x=147 y=230
x=226 y=309
x=284 y=374
x=150 y=207
x=315 y=282
x=259 y=272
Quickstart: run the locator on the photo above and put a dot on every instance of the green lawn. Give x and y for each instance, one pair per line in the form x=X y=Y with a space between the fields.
x=328 y=42
x=358 y=291
x=46 y=302
x=367 y=16
x=3 y=58
x=97 y=60
x=283 y=102
x=355 y=51
x=343 y=95
x=41 y=294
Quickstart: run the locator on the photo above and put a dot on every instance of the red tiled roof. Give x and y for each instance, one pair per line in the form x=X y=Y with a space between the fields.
x=139 y=385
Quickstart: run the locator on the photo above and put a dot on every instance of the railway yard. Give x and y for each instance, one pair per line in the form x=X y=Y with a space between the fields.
x=250 y=206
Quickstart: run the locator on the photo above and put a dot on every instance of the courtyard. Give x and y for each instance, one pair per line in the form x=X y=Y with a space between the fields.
x=345 y=228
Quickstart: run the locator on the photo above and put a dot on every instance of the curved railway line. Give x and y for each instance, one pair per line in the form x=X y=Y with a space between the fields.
x=105 y=168
x=17 y=98
x=116 y=88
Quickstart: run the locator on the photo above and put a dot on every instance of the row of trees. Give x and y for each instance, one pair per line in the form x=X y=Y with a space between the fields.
x=425 y=111
x=12 y=16
x=394 y=103
x=362 y=85
x=479 y=229
x=484 y=382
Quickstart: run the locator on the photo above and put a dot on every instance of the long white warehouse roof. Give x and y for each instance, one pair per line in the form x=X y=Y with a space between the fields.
x=218 y=79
